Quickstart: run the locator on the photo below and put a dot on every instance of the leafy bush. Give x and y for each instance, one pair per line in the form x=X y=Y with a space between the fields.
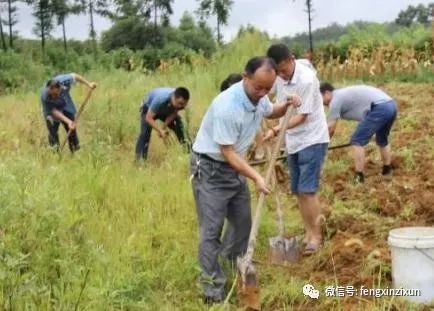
x=18 y=72
x=132 y=33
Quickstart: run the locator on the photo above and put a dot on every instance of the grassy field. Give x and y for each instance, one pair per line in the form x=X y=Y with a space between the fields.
x=97 y=232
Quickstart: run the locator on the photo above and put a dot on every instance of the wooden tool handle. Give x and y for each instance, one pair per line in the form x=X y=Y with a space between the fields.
x=77 y=116
x=269 y=174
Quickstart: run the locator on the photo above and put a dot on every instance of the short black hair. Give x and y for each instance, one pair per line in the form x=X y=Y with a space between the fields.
x=325 y=86
x=279 y=52
x=231 y=79
x=257 y=62
x=182 y=92
x=53 y=83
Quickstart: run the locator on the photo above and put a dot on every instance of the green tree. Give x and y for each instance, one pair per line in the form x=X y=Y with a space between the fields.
x=43 y=13
x=133 y=33
x=143 y=11
x=130 y=8
x=2 y=35
x=62 y=9
x=424 y=13
x=162 y=9
x=12 y=18
x=197 y=37
x=92 y=7
x=406 y=17
x=219 y=8
x=415 y=14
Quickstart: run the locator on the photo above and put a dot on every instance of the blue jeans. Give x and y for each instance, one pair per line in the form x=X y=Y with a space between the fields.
x=378 y=121
x=305 y=168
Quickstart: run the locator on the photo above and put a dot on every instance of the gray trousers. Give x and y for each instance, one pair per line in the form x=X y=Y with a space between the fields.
x=220 y=192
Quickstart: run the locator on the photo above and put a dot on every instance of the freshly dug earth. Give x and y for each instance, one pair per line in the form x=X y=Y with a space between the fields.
x=356 y=251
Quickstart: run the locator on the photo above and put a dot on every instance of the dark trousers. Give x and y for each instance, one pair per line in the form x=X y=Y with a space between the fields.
x=144 y=139
x=220 y=193
x=53 y=132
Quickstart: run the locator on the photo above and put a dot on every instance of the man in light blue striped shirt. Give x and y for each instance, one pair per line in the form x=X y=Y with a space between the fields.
x=219 y=169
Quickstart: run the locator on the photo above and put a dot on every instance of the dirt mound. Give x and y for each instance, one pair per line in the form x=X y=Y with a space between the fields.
x=352 y=260
x=359 y=217
x=397 y=162
x=349 y=224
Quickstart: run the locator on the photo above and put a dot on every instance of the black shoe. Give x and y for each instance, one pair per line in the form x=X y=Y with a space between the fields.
x=359 y=178
x=212 y=300
x=387 y=170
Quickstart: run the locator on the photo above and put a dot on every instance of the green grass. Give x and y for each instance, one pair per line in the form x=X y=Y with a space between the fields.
x=133 y=228
x=96 y=231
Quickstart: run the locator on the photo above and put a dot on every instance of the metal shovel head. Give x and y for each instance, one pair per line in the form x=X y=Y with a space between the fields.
x=247 y=286
x=284 y=251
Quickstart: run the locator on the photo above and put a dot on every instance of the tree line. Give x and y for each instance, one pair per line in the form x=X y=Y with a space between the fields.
x=154 y=14
x=408 y=17
x=142 y=24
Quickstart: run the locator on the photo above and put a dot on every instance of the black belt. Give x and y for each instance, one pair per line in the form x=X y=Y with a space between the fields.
x=207 y=157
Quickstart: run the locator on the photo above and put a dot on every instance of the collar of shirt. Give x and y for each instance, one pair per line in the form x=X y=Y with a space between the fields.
x=295 y=76
x=247 y=103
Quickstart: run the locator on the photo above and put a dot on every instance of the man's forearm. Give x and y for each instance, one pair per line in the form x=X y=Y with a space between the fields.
x=81 y=80
x=239 y=164
x=332 y=128
x=279 y=111
x=331 y=132
x=296 y=121
x=152 y=123
x=60 y=116
x=170 y=119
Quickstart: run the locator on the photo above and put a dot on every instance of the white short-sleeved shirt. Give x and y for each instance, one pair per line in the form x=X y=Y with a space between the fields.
x=232 y=119
x=314 y=130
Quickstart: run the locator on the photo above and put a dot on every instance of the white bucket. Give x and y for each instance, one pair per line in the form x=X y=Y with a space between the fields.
x=413 y=261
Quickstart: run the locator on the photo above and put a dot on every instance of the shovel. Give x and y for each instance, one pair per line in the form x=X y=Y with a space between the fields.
x=247 y=284
x=282 y=251
x=80 y=110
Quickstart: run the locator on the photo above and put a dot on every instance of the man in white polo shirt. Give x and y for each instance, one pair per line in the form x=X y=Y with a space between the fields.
x=306 y=140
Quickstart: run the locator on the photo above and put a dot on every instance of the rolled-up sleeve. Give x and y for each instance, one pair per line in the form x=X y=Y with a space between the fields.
x=267 y=107
x=70 y=78
x=334 y=111
x=155 y=104
x=225 y=129
x=66 y=80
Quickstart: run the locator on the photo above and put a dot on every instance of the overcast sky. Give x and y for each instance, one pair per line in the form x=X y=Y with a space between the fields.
x=277 y=17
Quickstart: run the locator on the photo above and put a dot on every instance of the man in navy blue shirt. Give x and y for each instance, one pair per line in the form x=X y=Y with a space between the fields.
x=161 y=104
x=58 y=107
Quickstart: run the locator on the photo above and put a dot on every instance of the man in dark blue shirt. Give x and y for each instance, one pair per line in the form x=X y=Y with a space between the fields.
x=58 y=107
x=161 y=104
